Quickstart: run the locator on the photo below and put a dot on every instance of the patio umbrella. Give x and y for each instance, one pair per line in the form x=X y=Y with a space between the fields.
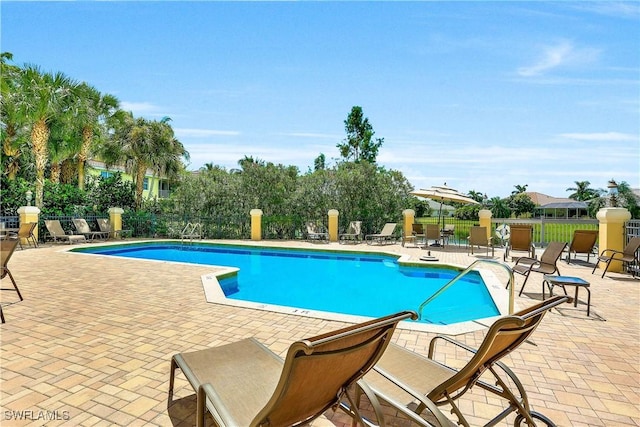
x=442 y=193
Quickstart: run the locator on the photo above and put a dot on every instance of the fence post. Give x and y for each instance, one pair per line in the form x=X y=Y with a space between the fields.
x=256 y=224
x=115 y=219
x=333 y=225
x=485 y=220
x=29 y=214
x=612 y=233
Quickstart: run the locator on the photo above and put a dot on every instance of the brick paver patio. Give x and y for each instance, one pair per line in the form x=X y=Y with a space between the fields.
x=91 y=343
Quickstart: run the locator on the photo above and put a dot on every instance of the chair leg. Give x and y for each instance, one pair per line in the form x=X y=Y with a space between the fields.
x=526 y=277
x=172 y=375
x=1 y=314
x=8 y=273
x=606 y=267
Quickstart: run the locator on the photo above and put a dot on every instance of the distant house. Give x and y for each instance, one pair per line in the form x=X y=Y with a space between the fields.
x=152 y=187
x=557 y=207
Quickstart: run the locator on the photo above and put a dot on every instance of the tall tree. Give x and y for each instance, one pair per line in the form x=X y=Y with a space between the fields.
x=519 y=189
x=582 y=192
x=359 y=144
x=46 y=96
x=11 y=115
x=92 y=110
x=142 y=145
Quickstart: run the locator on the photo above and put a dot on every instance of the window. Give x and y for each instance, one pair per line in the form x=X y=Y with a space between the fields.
x=145 y=184
x=105 y=174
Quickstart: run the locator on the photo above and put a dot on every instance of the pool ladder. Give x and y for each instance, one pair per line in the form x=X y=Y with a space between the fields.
x=466 y=271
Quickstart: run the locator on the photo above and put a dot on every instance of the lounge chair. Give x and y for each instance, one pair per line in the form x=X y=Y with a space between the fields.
x=191 y=231
x=57 y=232
x=105 y=226
x=403 y=377
x=246 y=384
x=432 y=232
x=478 y=237
x=546 y=265
x=26 y=232
x=583 y=242
x=83 y=228
x=353 y=234
x=316 y=233
x=7 y=247
x=521 y=239
x=383 y=236
x=417 y=234
x=628 y=255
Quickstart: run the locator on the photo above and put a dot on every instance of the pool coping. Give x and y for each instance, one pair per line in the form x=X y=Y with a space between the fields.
x=214 y=294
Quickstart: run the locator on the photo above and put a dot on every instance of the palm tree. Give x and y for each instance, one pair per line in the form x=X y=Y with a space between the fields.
x=45 y=96
x=519 y=189
x=11 y=116
x=582 y=192
x=141 y=145
x=91 y=111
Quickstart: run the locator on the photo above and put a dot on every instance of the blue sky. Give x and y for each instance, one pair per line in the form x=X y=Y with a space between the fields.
x=480 y=95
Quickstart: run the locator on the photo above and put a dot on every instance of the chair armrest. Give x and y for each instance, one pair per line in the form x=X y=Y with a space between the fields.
x=613 y=252
x=432 y=345
x=527 y=260
x=221 y=415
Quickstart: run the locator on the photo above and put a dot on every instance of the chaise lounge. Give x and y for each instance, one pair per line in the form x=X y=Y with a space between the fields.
x=383 y=236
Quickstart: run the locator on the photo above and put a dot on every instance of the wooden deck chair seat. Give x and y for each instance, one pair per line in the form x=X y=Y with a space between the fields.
x=245 y=384
x=353 y=233
x=26 y=232
x=385 y=235
x=521 y=239
x=627 y=255
x=432 y=232
x=316 y=233
x=478 y=237
x=105 y=227
x=583 y=242
x=403 y=377
x=7 y=248
x=57 y=232
x=547 y=264
x=83 y=228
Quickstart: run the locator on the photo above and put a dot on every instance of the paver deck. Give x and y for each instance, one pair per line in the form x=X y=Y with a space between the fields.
x=91 y=343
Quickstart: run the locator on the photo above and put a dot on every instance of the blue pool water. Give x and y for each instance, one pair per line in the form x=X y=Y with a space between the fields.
x=354 y=283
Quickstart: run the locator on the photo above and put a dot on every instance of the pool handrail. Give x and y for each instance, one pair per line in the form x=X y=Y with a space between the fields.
x=446 y=286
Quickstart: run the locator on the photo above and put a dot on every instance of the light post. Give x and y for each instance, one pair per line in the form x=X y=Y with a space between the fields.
x=29 y=194
x=613 y=193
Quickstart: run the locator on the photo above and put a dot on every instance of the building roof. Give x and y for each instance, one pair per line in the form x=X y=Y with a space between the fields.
x=540 y=199
x=565 y=205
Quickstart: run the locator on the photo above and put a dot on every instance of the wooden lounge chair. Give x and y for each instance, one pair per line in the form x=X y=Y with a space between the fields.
x=583 y=242
x=7 y=247
x=385 y=235
x=57 y=232
x=353 y=234
x=628 y=255
x=521 y=239
x=432 y=232
x=478 y=237
x=26 y=232
x=316 y=233
x=83 y=228
x=105 y=226
x=546 y=265
x=417 y=234
x=403 y=377
x=245 y=384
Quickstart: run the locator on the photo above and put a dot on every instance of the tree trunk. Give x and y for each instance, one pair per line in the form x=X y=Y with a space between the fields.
x=55 y=173
x=87 y=137
x=39 y=140
x=11 y=152
x=140 y=171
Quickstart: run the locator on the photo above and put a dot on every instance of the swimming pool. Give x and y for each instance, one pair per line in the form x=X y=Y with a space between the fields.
x=322 y=281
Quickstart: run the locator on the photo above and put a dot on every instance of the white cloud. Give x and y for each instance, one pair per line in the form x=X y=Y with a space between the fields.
x=560 y=54
x=600 y=136
x=139 y=108
x=199 y=133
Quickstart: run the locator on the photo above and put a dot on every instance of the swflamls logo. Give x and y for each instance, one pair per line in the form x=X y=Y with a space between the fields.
x=31 y=415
